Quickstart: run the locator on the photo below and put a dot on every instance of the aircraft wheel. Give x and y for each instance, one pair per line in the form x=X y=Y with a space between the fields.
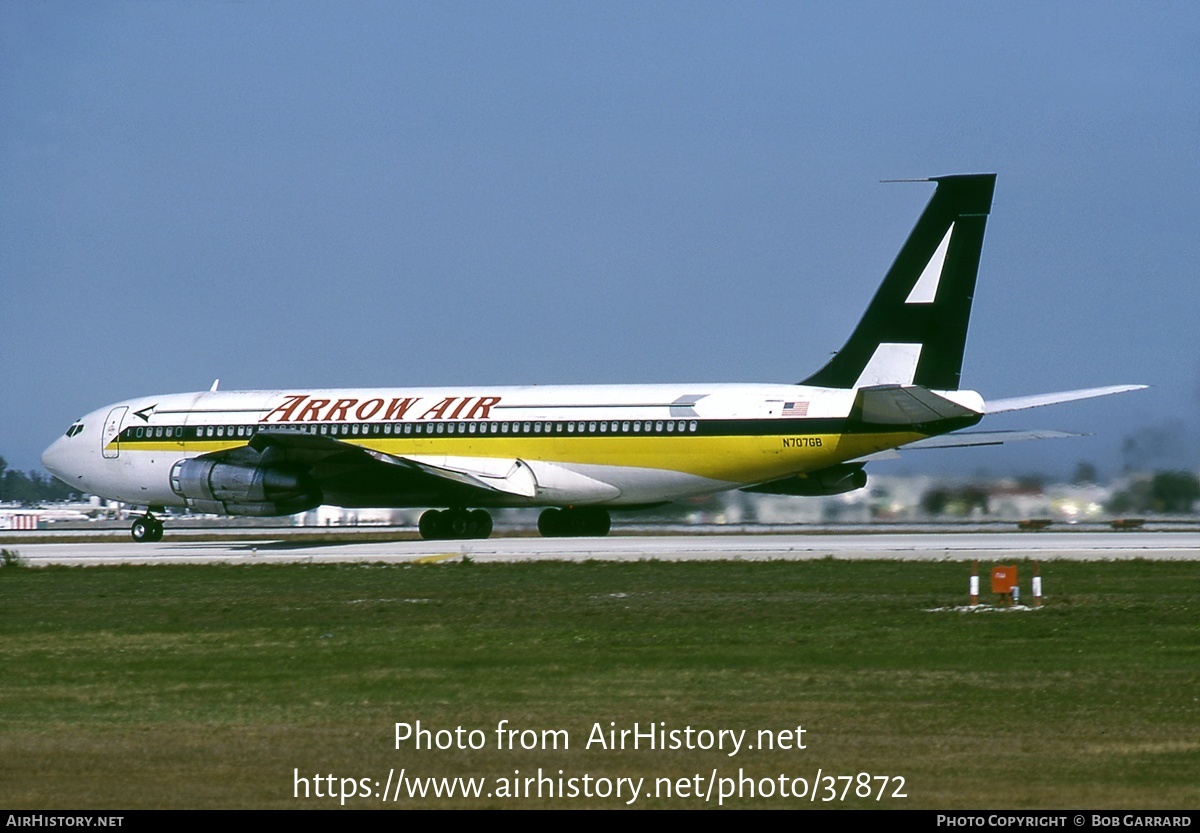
x=575 y=522
x=599 y=522
x=550 y=523
x=587 y=520
x=431 y=526
x=459 y=524
x=483 y=523
x=145 y=530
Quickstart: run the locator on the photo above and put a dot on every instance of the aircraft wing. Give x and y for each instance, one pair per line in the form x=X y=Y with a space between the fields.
x=511 y=476
x=523 y=478
x=299 y=446
x=505 y=475
x=1020 y=403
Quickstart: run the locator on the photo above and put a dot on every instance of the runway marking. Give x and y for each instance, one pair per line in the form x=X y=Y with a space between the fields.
x=436 y=559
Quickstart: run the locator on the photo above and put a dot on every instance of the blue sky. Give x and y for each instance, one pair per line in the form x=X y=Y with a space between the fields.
x=391 y=194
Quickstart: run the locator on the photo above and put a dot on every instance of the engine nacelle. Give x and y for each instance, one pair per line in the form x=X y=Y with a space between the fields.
x=835 y=480
x=234 y=489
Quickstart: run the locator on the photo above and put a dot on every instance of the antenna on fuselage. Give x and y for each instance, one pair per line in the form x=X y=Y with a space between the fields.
x=214 y=385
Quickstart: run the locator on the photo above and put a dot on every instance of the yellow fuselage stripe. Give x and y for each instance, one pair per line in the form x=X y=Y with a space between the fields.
x=732 y=459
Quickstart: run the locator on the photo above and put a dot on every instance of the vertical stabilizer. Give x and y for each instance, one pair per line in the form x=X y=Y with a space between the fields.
x=915 y=329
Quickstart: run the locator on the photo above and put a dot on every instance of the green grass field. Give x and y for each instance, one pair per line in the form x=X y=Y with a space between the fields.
x=136 y=687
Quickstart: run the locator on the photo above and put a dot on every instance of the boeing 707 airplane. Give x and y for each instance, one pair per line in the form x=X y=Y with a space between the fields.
x=576 y=450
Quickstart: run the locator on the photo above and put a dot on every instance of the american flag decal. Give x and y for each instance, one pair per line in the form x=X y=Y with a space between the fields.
x=795 y=409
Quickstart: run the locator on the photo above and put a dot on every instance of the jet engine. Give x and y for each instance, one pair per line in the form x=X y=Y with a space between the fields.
x=215 y=485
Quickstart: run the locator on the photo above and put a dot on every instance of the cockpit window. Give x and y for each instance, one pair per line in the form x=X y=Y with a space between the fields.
x=74 y=429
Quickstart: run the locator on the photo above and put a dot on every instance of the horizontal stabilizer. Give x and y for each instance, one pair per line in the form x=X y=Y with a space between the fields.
x=969 y=438
x=1020 y=403
x=907 y=405
x=965 y=439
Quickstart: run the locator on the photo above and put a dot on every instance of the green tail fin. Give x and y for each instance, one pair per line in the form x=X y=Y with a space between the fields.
x=915 y=330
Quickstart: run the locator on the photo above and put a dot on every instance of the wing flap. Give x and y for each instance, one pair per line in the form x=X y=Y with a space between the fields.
x=547 y=482
x=510 y=476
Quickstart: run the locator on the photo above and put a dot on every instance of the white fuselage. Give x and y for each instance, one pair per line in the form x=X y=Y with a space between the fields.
x=611 y=445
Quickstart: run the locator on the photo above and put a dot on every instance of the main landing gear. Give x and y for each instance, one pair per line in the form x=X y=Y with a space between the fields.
x=461 y=524
x=453 y=524
x=146 y=529
x=574 y=521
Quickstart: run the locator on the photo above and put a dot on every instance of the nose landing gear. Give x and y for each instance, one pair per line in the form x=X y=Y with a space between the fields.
x=146 y=529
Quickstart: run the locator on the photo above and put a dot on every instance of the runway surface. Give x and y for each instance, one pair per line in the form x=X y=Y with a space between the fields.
x=920 y=546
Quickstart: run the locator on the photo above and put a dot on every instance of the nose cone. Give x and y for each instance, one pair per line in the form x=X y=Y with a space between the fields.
x=55 y=458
